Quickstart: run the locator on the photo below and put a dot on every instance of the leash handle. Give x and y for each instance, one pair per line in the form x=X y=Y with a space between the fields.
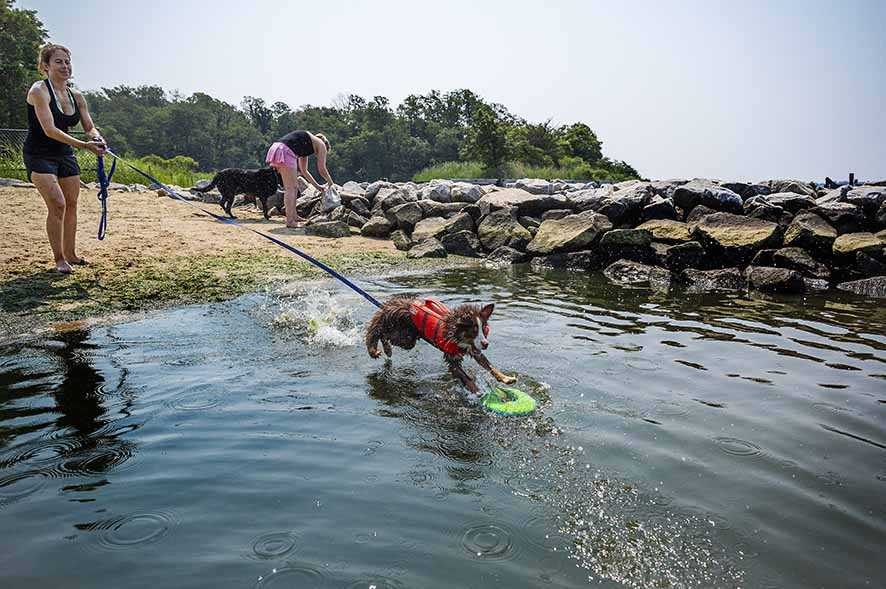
x=274 y=240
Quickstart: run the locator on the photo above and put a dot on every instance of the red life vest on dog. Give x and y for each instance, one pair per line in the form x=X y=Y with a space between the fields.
x=428 y=317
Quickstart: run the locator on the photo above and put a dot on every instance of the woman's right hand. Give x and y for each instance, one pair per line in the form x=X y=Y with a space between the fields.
x=95 y=147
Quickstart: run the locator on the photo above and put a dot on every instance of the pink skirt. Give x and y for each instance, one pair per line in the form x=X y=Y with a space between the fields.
x=279 y=155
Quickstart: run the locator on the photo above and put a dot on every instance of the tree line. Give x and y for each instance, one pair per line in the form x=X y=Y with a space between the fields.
x=370 y=138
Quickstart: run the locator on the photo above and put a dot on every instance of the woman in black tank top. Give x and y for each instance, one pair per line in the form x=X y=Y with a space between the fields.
x=53 y=108
x=289 y=156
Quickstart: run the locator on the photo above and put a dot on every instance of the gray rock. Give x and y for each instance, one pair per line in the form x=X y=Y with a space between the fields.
x=534 y=186
x=789 y=201
x=626 y=237
x=373 y=189
x=474 y=211
x=401 y=240
x=667 y=230
x=527 y=204
x=758 y=207
x=734 y=236
x=352 y=187
x=438 y=226
x=529 y=222
x=697 y=213
x=432 y=208
x=581 y=260
x=813 y=284
x=620 y=207
x=329 y=229
x=339 y=213
x=427 y=248
x=405 y=216
x=795 y=186
x=706 y=193
x=359 y=206
x=377 y=227
x=745 y=190
x=502 y=228
x=723 y=279
x=556 y=214
x=630 y=273
x=438 y=192
x=868 y=198
x=572 y=233
x=355 y=220
x=505 y=256
x=462 y=243
x=665 y=188
x=870 y=287
x=850 y=243
x=866 y=265
x=811 y=232
x=467 y=193
x=880 y=217
x=775 y=280
x=795 y=258
x=658 y=208
x=685 y=255
x=843 y=216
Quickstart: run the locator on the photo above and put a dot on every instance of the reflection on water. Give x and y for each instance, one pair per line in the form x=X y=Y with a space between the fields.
x=682 y=440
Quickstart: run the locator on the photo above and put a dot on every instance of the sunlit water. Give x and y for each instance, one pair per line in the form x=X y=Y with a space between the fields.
x=682 y=440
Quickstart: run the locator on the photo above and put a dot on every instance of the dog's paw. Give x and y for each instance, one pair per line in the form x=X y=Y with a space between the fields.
x=508 y=379
x=374 y=353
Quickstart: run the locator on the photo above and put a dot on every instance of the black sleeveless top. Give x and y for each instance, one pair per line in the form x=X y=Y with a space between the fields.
x=37 y=143
x=299 y=142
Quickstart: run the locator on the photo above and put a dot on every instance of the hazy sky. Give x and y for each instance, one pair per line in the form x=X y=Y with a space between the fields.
x=733 y=90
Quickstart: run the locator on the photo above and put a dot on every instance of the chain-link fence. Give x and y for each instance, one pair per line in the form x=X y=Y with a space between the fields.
x=12 y=165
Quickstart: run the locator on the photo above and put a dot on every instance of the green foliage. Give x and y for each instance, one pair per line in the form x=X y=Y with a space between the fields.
x=571 y=168
x=450 y=170
x=487 y=139
x=21 y=36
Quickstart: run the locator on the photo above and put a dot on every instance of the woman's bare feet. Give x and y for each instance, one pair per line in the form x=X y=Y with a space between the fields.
x=63 y=267
x=298 y=223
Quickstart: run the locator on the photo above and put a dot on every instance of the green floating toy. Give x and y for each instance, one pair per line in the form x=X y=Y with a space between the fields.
x=508 y=401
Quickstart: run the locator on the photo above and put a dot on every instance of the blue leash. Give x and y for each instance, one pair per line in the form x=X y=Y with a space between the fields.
x=228 y=221
x=104 y=181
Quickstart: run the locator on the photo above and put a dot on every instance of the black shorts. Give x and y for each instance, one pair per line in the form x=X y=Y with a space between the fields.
x=60 y=166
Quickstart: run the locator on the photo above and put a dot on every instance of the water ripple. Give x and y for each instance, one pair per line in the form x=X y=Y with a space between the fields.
x=737 y=447
x=492 y=541
x=273 y=545
x=131 y=531
x=292 y=575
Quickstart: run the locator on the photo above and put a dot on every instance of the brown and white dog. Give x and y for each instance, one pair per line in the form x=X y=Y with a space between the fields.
x=402 y=320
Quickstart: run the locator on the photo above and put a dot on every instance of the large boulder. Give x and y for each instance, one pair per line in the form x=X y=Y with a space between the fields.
x=352 y=188
x=796 y=186
x=581 y=260
x=464 y=192
x=775 y=280
x=462 y=243
x=405 y=216
x=571 y=233
x=685 y=255
x=658 y=208
x=843 y=216
x=505 y=256
x=330 y=229
x=620 y=206
x=850 y=243
x=432 y=208
x=355 y=220
x=795 y=258
x=667 y=230
x=811 y=232
x=534 y=186
x=556 y=214
x=707 y=193
x=501 y=228
x=696 y=214
x=438 y=191
x=527 y=204
x=746 y=190
x=373 y=189
x=869 y=198
x=728 y=279
x=665 y=188
x=870 y=287
x=734 y=237
x=789 y=201
x=358 y=205
x=630 y=273
x=427 y=248
x=401 y=240
x=439 y=226
x=377 y=227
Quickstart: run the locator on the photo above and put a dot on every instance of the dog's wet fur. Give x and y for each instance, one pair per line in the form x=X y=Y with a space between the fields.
x=392 y=326
x=262 y=184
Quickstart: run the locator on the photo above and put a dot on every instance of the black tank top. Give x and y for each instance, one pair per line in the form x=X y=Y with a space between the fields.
x=299 y=142
x=37 y=143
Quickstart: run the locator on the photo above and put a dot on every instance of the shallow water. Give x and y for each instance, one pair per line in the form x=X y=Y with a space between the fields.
x=682 y=440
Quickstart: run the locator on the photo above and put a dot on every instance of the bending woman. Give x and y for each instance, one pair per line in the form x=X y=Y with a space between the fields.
x=289 y=156
x=53 y=108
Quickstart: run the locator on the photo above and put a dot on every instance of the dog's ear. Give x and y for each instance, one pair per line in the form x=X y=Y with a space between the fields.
x=486 y=311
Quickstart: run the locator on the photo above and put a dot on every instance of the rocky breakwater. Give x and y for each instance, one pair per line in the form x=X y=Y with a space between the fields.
x=783 y=236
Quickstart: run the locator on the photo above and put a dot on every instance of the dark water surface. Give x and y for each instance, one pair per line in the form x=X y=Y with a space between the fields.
x=682 y=440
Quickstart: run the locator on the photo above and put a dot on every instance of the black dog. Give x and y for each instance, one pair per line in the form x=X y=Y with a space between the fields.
x=261 y=183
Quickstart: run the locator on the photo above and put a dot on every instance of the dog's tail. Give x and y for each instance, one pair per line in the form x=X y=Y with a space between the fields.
x=208 y=187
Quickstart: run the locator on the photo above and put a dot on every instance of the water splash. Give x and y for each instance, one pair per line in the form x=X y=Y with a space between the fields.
x=323 y=318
